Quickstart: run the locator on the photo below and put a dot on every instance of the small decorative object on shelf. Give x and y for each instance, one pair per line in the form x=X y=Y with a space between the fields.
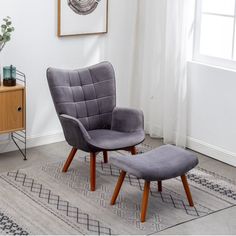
x=13 y=110
x=9 y=76
x=5 y=35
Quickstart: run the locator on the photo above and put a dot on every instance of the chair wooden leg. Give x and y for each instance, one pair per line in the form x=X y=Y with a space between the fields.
x=69 y=159
x=105 y=156
x=187 y=190
x=118 y=187
x=145 y=200
x=92 y=171
x=133 y=150
x=159 y=186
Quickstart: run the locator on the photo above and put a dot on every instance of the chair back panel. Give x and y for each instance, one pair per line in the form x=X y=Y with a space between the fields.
x=88 y=94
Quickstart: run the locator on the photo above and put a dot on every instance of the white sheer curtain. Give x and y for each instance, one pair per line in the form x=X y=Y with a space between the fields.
x=163 y=44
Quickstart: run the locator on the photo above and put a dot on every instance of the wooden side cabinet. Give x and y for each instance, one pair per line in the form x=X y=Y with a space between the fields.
x=12 y=108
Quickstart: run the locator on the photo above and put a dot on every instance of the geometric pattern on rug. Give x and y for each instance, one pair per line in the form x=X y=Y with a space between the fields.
x=127 y=209
x=222 y=190
x=102 y=196
x=92 y=225
x=8 y=226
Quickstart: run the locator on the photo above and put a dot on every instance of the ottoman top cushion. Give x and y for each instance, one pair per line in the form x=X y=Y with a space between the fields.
x=162 y=163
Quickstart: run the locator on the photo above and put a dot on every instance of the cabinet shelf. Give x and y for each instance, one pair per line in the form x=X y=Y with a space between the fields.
x=13 y=112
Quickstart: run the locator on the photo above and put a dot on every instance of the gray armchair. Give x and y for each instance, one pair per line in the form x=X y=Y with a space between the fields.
x=85 y=101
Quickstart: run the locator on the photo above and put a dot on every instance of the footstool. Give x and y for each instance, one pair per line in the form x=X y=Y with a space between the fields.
x=159 y=164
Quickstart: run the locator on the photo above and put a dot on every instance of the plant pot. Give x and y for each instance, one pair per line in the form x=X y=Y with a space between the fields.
x=9 y=82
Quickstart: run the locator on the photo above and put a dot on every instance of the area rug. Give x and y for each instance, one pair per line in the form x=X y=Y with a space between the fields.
x=43 y=200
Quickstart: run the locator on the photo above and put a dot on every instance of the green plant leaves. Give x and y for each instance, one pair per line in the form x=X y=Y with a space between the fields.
x=6 y=30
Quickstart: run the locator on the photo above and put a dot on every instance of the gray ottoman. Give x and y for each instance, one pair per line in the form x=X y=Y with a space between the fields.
x=159 y=164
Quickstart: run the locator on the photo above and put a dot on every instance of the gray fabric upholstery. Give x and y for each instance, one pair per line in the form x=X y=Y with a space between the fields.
x=85 y=101
x=127 y=120
x=162 y=163
x=75 y=133
x=86 y=94
x=114 y=140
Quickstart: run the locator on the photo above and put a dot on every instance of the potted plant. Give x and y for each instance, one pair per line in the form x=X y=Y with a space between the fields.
x=5 y=34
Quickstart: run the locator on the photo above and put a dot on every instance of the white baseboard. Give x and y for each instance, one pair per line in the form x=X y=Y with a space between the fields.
x=194 y=144
x=33 y=141
x=212 y=151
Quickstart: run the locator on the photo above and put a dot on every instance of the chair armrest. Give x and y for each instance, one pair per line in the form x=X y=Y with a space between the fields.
x=127 y=120
x=75 y=133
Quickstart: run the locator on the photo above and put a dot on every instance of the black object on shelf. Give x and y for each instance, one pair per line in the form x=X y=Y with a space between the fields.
x=9 y=82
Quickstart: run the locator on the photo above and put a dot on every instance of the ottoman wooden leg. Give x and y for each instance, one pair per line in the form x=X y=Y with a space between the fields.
x=187 y=190
x=145 y=200
x=118 y=187
x=159 y=183
x=105 y=156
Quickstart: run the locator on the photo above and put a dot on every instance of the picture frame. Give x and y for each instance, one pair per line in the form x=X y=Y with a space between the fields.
x=86 y=17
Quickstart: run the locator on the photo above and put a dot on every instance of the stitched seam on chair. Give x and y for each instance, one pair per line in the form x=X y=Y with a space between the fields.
x=55 y=87
x=84 y=100
x=83 y=97
x=105 y=113
x=83 y=84
x=91 y=99
x=100 y=82
x=99 y=111
x=95 y=95
x=72 y=94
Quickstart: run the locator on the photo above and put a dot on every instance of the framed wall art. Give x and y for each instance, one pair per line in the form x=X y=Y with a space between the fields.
x=82 y=17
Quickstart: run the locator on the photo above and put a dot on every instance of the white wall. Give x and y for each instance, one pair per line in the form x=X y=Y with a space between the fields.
x=212 y=111
x=35 y=46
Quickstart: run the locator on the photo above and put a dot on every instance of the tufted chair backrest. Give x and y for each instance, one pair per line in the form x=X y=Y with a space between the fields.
x=88 y=94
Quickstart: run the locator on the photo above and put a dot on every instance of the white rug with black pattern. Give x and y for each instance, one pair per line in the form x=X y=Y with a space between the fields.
x=43 y=200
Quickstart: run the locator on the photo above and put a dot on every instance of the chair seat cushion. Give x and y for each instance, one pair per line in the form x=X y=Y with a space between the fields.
x=105 y=139
x=161 y=163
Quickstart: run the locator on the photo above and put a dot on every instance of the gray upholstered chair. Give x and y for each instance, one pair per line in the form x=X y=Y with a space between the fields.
x=85 y=101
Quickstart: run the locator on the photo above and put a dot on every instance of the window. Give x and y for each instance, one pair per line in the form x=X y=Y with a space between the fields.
x=215 y=33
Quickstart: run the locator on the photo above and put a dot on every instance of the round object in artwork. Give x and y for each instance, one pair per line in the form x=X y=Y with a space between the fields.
x=83 y=7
